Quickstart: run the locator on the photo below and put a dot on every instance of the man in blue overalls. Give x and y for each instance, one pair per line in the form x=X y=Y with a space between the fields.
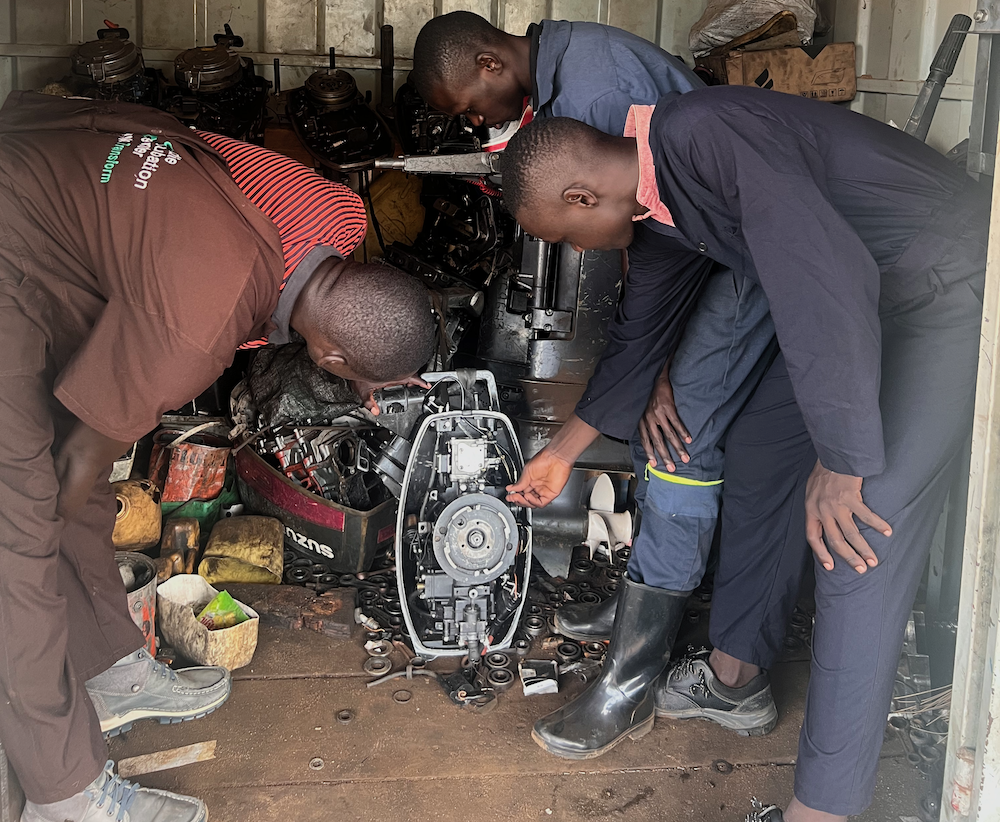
x=721 y=345
x=871 y=249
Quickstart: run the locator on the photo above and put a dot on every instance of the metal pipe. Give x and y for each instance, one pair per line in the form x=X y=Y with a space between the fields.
x=941 y=69
x=462 y=165
x=388 y=64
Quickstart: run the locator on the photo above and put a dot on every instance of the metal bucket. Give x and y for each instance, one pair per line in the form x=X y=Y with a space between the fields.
x=188 y=465
x=139 y=575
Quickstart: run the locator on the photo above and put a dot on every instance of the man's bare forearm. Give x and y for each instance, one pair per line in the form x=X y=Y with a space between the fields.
x=665 y=371
x=572 y=439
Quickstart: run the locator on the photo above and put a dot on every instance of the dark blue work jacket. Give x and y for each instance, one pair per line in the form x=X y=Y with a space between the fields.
x=594 y=73
x=839 y=217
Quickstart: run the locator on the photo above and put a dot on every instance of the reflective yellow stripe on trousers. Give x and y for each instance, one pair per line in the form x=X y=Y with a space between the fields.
x=664 y=475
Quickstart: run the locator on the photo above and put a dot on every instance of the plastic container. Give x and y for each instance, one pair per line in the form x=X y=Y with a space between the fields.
x=141 y=593
x=343 y=539
x=180 y=599
x=207 y=512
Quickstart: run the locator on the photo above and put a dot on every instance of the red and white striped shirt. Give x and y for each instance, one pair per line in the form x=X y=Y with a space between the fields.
x=307 y=209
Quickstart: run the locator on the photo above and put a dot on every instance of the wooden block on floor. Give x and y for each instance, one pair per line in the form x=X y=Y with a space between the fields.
x=296 y=609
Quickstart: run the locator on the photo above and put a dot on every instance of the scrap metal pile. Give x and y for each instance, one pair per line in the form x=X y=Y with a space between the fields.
x=538 y=658
x=307 y=425
x=462 y=554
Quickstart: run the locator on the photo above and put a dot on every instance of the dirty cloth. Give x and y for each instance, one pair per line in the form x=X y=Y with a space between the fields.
x=288 y=388
x=725 y=20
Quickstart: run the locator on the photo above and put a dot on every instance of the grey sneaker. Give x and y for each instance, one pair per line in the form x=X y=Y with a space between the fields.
x=111 y=797
x=138 y=687
x=689 y=689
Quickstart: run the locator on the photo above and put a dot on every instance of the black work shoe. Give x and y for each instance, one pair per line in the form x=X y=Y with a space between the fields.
x=765 y=813
x=587 y=623
x=619 y=703
x=690 y=690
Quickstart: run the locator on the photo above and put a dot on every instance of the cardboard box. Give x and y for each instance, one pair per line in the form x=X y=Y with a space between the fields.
x=819 y=72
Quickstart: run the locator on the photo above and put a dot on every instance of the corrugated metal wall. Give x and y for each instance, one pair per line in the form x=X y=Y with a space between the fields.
x=896 y=38
x=34 y=33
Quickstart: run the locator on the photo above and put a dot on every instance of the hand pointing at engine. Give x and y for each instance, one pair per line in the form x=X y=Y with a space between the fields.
x=545 y=475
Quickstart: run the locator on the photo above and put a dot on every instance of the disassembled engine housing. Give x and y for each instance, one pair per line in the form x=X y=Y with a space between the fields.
x=334 y=121
x=115 y=68
x=218 y=90
x=462 y=553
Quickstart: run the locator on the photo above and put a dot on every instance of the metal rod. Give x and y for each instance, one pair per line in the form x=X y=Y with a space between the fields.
x=463 y=165
x=388 y=59
x=942 y=67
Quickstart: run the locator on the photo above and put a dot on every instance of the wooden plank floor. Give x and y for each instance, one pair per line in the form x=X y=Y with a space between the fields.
x=430 y=760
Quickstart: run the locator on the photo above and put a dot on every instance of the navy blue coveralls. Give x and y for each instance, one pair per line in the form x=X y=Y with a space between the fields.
x=871 y=249
x=594 y=74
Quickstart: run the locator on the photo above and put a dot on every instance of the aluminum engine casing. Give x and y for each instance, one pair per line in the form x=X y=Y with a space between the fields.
x=463 y=555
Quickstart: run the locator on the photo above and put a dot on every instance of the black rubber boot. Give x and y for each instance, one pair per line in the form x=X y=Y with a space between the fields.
x=620 y=702
x=587 y=623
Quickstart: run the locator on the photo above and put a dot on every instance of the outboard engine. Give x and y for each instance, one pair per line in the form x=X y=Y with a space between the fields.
x=335 y=123
x=422 y=130
x=114 y=66
x=220 y=91
x=463 y=554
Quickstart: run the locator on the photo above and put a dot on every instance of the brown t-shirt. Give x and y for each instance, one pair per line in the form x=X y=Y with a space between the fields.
x=123 y=236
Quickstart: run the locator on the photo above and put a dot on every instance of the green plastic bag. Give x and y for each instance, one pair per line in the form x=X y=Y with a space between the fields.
x=222 y=612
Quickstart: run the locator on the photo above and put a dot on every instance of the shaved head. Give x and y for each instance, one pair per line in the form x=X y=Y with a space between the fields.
x=382 y=319
x=547 y=156
x=565 y=181
x=463 y=65
x=444 y=55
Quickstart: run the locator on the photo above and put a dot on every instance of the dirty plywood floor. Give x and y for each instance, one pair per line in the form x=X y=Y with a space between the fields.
x=429 y=760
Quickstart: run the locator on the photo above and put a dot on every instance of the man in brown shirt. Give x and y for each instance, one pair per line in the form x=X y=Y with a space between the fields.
x=132 y=266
